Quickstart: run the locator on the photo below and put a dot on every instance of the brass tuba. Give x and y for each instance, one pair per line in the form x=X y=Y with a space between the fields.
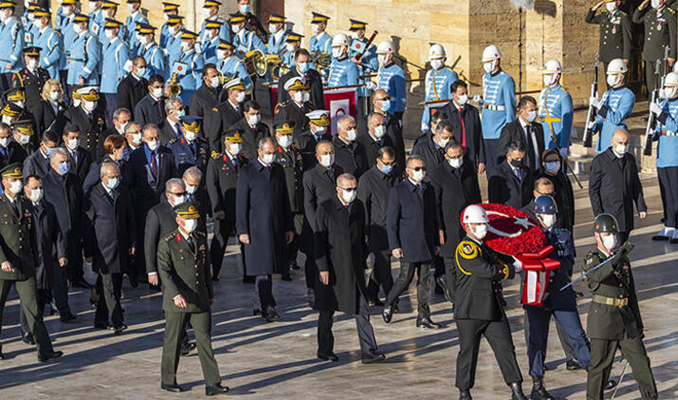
x=173 y=88
x=321 y=60
x=276 y=66
x=255 y=62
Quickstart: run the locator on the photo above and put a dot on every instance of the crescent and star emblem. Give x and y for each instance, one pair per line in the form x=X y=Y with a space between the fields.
x=517 y=221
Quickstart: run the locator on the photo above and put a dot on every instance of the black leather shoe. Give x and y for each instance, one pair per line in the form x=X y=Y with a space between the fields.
x=68 y=317
x=81 y=283
x=427 y=323
x=174 y=388
x=387 y=314
x=611 y=384
x=573 y=365
x=517 y=391
x=538 y=390
x=256 y=311
x=101 y=325
x=396 y=309
x=215 y=279
x=372 y=356
x=119 y=329
x=133 y=281
x=49 y=356
x=217 y=389
x=465 y=395
x=375 y=303
x=328 y=357
x=28 y=339
x=186 y=348
x=271 y=315
x=442 y=282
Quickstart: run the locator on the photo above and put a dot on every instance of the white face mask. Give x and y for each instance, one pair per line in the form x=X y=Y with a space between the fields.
x=36 y=195
x=143 y=40
x=24 y=139
x=285 y=140
x=66 y=11
x=611 y=6
x=442 y=142
x=455 y=162
x=190 y=136
x=299 y=97
x=268 y=159
x=306 y=96
x=221 y=55
x=72 y=144
x=206 y=12
x=7 y=120
x=112 y=183
x=379 y=131
x=19 y=103
x=620 y=150
x=4 y=142
x=190 y=189
x=289 y=47
x=240 y=97
x=254 y=119
x=54 y=96
x=463 y=99
x=418 y=176
x=552 y=167
x=236 y=29
x=38 y=23
x=670 y=92
x=349 y=196
x=177 y=200
x=336 y=52
x=532 y=115
x=315 y=28
x=190 y=225
x=136 y=139
x=173 y=29
x=92 y=6
x=76 y=102
x=327 y=160
x=166 y=17
x=355 y=35
x=215 y=82
x=130 y=8
x=610 y=242
x=15 y=187
x=89 y=105
x=437 y=63
x=548 y=220
x=320 y=130
x=272 y=29
x=234 y=148
x=141 y=72
x=108 y=33
x=152 y=145
x=490 y=66
x=122 y=128
x=549 y=79
x=655 y=4
x=480 y=231
x=382 y=58
x=78 y=28
x=186 y=46
x=613 y=79
x=158 y=92
x=351 y=135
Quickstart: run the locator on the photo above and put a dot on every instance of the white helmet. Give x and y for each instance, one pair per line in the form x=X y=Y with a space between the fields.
x=491 y=53
x=385 y=47
x=552 y=67
x=340 y=40
x=671 y=79
x=436 y=51
x=474 y=214
x=617 y=66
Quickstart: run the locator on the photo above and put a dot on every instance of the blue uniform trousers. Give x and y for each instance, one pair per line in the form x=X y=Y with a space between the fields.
x=668 y=185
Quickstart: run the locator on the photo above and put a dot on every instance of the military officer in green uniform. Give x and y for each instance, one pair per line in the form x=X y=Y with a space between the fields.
x=615 y=32
x=614 y=318
x=660 y=31
x=181 y=255
x=19 y=258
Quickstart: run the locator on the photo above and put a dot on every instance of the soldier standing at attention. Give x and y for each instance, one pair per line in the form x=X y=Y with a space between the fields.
x=439 y=79
x=615 y=32
x=614 y=317
x=660 y=31
x=555 y=109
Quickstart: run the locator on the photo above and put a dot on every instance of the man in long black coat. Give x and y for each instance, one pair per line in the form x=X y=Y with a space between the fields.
x=374 y=139
x=614 y=184
x=264 y=223
x=432 y=148
x=109 y=240
x=349 y=153
x=340 y=256
x=133 y=88
x=317 y=130
x=252 y=128
x=511 y=182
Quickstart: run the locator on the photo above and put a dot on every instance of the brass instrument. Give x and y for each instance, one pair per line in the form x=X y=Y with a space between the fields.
x=255 y=62
x=276 y=66
x=321 y=60
x=173 y=88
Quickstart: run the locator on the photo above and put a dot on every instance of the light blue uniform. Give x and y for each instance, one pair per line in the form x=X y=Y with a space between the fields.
x=391 y=78
x=276 y=44
x=156 y=60
x=29 y=29
x=499 y=103
x=84 y=60
x=320 y=44
x=115 y=55
x=68 y=35
x=130 y=31
x=368 y=64
x=232 y=68
x=11 y=45
x=224 y=32
x=438 y=84
x=667 y=134
x=245 y=41
x=50 y=42
x=173 y=48
x=164 y=34
x=615 y=107
x=209 y=51
x=190 y=78
x=342 y=73
x=96 y=23
x=556 y=103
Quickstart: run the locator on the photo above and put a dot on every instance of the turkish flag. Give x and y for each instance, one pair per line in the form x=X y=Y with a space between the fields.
x=339 y=102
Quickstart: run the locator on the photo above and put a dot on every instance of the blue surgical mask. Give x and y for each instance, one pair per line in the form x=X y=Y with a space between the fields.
x=386 y=169
x=303 y=67
x=112 y=183
x=181 y=113
x=386 y=105
x=63 y=168
x=244 y=9
x=47 y=151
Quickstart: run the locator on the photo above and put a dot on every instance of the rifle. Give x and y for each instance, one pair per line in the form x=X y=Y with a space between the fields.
x=652 y=119
x=591 y=116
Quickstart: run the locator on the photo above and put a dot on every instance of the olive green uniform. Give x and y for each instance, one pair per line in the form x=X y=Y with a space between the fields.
x=660 y=32
x=614 y=320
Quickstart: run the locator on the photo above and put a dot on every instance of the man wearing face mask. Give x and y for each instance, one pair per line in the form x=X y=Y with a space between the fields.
x=158 y=63
x=38 y=162
x=343 y=72
x=114 y=149
x=264 y=223
x=23 y=135
x=231 y=67
x=660 y=32
x=169 y=10
x=465 y=119
x=563 y=193
x=292 y=44
x=96 y=15
x=209 y=44
x=10 y=151
x=135 y=17
x=373 y=190
x=173 y=45
x=11 y=43
x=614 y=184
x=84 y=56
x=276 y=40
x=438 y=82
x=614 y=317
x=189 y=66
x=133 y=138
x=252 y=22
x=196 y=191
x=526 y=131
x=207 y=96
x=115 y=55
x=375 y=138
x=296 y=107
x=511 y=184
x=615 y=106
x=189 y=149
x=310 y=77
x=49 y=43
x=121 y=119
x=16 y=99
x=318 y=122
x=89 y=118
x=615 y=32
x=151 y=108
x=32 y=78
x=172 y=128
x=243 y=40
x=321 y=42
x=481 y=270
x=79 y=157
x=391 y=78
x=227 y=114
x=350 y=154
x=210 y=10
x=414 y=239
x=252 y=128
x=133 y=87
x=20 y=259
x=555 y=109
x=221 y=182
x=368 y=64
x=381 y=104
x=432 y=149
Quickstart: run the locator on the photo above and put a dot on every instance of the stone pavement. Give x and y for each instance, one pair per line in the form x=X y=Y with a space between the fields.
x=277 y=360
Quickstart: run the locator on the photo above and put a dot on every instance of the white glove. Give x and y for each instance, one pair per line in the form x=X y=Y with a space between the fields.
x=655 y=108
x=662 y=93
x=563 y=152
x=424 y=128
x=477 y=99
x=593 y=101
x=128 y=66
x=591 y=125
x=371 y=85
x=518 y=265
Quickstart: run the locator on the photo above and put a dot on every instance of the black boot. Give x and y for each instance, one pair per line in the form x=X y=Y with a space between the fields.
x=517 y=391
x=538 y=390
x=465 y=395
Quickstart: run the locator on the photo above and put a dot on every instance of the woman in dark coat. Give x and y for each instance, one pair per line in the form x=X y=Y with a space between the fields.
x=49 y=109
x=564 y=194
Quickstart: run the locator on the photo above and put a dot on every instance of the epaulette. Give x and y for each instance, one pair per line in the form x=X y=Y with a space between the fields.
x=450 y=69
x=295 y=147
x=169 y=237
x=622 y=12
x=199 y=233
x=173 y=140
x=215 y=155
x=279 y=106
x=564 y=90
x=671 y=10
x=468 y=249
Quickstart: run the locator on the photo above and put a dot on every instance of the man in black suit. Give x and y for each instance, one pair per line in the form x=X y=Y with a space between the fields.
x=109 y=241
x=511 y=183
x=206 y=97
x=455 y=184
x=381 y=103
x=79 y=157
x=373 y=190
x=133 y=87
x=151 y=108
x=10 y=151
x=38 y=162
x=295 y=108
x=465 y=119
x=340 y=256
x=253 y=130
x=172 y=128
x=349 y=153
x=432 y=148
x=374 y=139
x=90 y=119
x=228 y=113
x=413 y=237
x=308 y=76
x=525 y=131
x=149 y=167
x=614 y=185
x=121 y=120
x=318 y=121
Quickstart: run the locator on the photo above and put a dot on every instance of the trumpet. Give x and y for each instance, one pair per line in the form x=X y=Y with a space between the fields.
x=173 y=88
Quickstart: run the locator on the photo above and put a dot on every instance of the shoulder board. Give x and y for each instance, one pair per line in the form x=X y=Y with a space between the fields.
x=622 y=12
x=671 y=10
x=170 y=236
x=173 y=140
x=449 y=69
x=295 y=147
x=199 y=233
x=215 y=155
x=468 y=249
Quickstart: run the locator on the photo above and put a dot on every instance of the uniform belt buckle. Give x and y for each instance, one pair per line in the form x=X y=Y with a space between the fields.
x=621 y=302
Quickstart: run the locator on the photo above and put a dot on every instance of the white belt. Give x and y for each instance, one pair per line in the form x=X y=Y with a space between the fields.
x=493 y=107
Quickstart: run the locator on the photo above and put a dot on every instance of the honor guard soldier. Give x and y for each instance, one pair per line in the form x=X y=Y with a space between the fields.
x=276 y=39
x=49 y=43
x=321 y=42
x=391 y=78
x=89 y=118
x=614 y=317
x=667 y=157
x=19 y=258
x=498 y=103
x=660 y=32
x=68 y=35
x=110 y=9
x=555 y=109
x=11 y=43
x=32 y=78
x=96 y=16
x=231 y=67
x=85 y=55
x=296 y=107
x=169 y=10
x=189 y=66
x=343 y=72
x=252 y=23
x=367 y=64
x=438 y=82
x=292 y=44
x=615 y=106
x=210 y=10
x=184 y=268
x=615 y=31
x=190 y=150
x=172 y=48
x=156 y=60
x=481 y=270
x=28 y=21
x=135 y=17
x=208 y=47
x=243 y=40
x=114 y=58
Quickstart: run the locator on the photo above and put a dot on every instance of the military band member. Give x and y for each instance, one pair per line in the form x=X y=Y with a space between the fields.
x=135 y=17
x=28 y=22
x=189 y=149
x=90 y=119
x=277 y=31
x=156 y=59
x=31 y=78
x=615 y=106
x=230 y=66
x=12 y=41
x=391 y=78
x=243 y=40
x=343 y=72
x=109 y=11
x=292 y=44
x=614 y=317
x=189 y=66
x=438 y=82
x=181 y=255
x=367 y=65
x=116 y=54
x=96 y=16
x=296 y=108
x=252 y=22
x=85 y=56
x=210 y=10
x=321 y=41
x=175 y=27
x=208 y=47
x=49 y=43
x=318 y=122
x=169 y=10
x=555 y=109
x=660 y=32
x=615 y=31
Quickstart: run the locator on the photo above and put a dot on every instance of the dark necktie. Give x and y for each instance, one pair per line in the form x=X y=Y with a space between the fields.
x=154 y=165
x=234 y=161
x=112 y=196
x=17 y=207
x=530 y=147
x=190 y=243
